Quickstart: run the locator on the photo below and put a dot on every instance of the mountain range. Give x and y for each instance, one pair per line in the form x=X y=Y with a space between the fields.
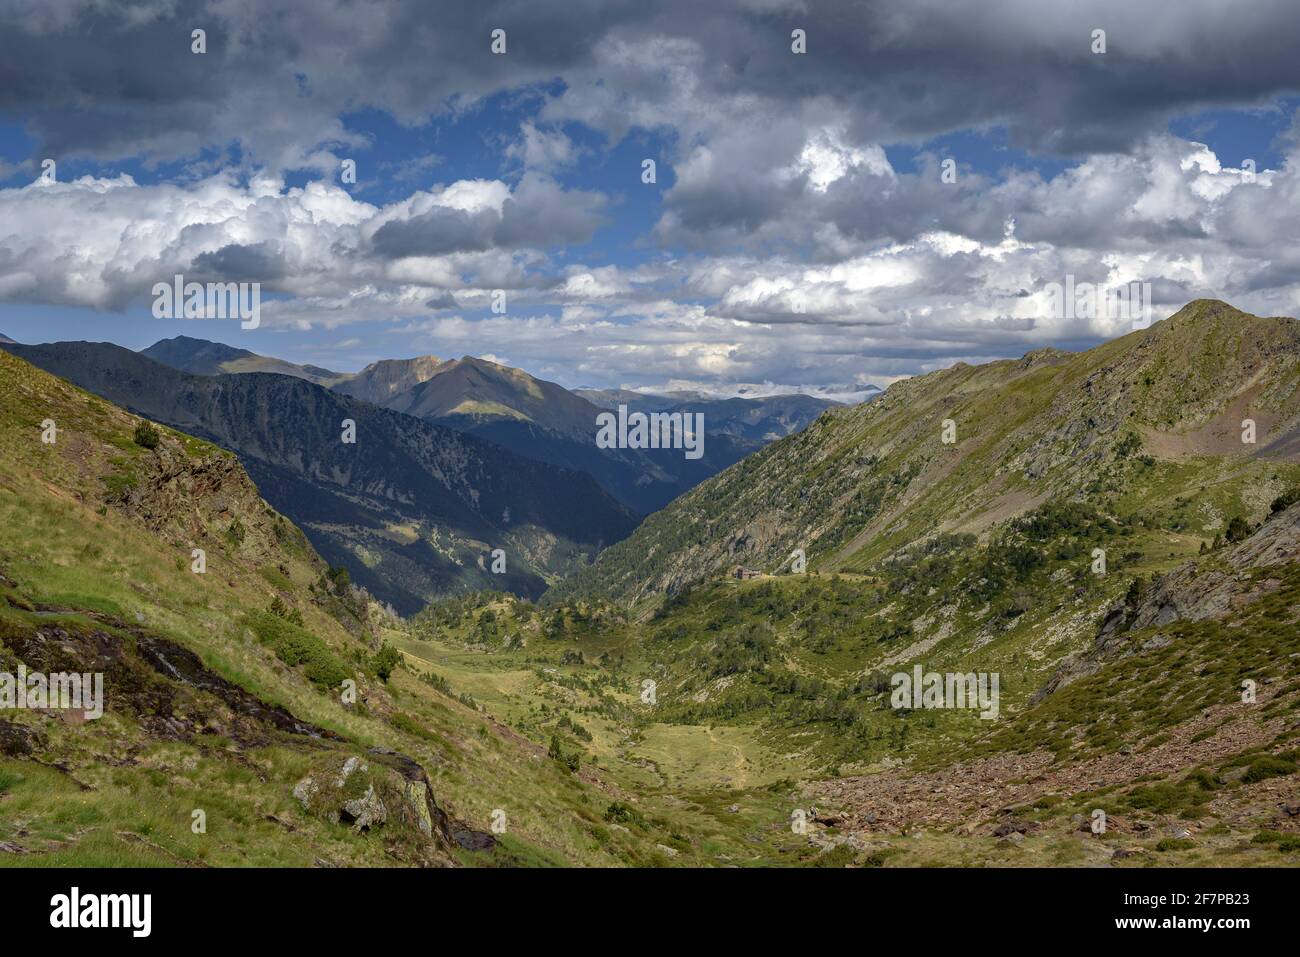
x=402 y=529
x=411 y=508
x=966 y=448
x=530 y=416
x=1114 y=534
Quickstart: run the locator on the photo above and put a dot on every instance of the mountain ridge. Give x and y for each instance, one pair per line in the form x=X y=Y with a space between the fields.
x=532 y=417
x=204 y=357
x=412 y=508
x=865 y=480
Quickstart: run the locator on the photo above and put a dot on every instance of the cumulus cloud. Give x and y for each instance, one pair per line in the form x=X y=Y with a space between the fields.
x=102 y=243
x=785 y=247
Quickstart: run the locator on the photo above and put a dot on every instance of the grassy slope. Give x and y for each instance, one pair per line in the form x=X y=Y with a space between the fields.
x=115 y=792
x=764 y=682
x=946 y=576
x=859 y=483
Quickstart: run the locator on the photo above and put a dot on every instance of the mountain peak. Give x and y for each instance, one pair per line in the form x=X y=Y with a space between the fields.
x=380 y=381
x=204 y=357
x=1203 y=311
x=1208 y=325
x=1044 y=426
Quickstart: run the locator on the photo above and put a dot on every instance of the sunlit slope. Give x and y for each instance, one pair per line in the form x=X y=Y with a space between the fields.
x=223 y=689
x=1155 y=415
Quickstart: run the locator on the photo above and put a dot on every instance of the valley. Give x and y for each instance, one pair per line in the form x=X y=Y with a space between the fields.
x=1098 y=536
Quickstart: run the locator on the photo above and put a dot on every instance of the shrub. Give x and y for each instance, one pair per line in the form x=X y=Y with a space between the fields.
x=1286 y=843
x=146 y=436
x=295 y=645
x=575 y=729
x=288 y=613
x=386 y=660
x=567 y=759
x=1286 y=499
x=1238 y=529
x=620 y=813
x=1269 y=767
x=339 y=580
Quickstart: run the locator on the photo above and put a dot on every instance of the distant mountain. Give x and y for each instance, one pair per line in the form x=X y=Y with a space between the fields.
x=532 y=417
x=761 y=419
x=645 y=480
x=380 y=382
x=1159 y=409
x=479 y=391
x=4 y=338
x=412 y=509
x=202 y=357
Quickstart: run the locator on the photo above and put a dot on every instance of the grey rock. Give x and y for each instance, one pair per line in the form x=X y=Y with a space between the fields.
x=366 y=811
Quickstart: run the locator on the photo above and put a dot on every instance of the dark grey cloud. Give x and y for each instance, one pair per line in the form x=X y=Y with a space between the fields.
x=444 y=300
x=537 y=214
x=237 y=262
x=113 y=79
x=437 y=232
x=807 y=257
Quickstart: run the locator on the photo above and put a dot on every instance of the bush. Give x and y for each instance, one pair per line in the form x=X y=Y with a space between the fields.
x=339 y=580
x=1286 y=843
x=1238 y=529
x=386 y=660
x=569 y=760
x=288 y=613
x=620 y=813
x=146 y=436
x=296 y=646
x=1269 y=767
x=1286 y=499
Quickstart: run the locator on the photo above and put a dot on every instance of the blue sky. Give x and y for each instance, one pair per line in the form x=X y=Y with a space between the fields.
x=800 y=234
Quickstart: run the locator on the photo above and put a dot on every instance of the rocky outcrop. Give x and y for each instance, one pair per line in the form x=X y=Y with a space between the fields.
x=19 y=740
x=390 y=791
x=1193 y=592
x=162 y=684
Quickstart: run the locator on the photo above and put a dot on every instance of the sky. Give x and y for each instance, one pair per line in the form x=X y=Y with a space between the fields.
x=902 y=193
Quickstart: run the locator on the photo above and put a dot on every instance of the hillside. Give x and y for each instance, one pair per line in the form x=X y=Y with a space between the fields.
x=226 y=739
x=1121 y=691
x=413 y=510
x=1179 y=723
x=1151 y=420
